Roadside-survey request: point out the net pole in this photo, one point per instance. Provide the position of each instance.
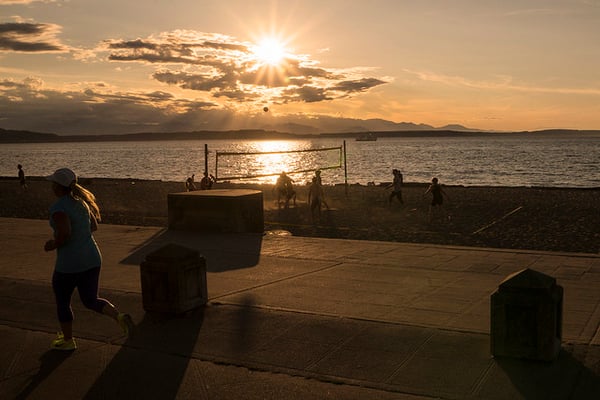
(345, 170)
(217, 165)
(206, 157)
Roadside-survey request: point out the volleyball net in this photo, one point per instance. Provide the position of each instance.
(263, 164)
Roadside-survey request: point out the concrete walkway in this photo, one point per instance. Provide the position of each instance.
(292, 318)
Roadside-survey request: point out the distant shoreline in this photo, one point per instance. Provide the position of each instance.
(15, 136)
(378, 185)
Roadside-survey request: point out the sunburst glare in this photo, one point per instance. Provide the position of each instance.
(272, 61)
(270, 51)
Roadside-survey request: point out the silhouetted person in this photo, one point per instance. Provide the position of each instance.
(315, 198)
(22, 181)
(285, 189)
(320, 183)
(437, 200)
(397, 187)
(189, 184)
(207, 181)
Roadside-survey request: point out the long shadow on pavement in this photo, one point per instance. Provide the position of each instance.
(153, 362)
(564, 378)
(49, 361)
(222, 251)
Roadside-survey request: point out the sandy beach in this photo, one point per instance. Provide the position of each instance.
(548, 219)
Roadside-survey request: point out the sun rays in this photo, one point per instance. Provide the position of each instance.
(273, 62)
(270, 51)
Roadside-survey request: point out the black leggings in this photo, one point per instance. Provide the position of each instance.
(86, 283)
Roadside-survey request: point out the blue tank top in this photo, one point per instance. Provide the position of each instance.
(80, 252)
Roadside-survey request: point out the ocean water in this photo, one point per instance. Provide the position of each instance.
(515, 160)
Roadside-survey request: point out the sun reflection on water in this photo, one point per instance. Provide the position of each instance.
(277, 162)
(264, 161)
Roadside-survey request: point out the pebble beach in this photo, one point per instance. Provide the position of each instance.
(546, 219)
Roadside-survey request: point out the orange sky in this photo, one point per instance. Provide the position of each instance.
(105, 66)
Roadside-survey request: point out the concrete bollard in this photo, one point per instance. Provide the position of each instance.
(173, 280)
(526, 317)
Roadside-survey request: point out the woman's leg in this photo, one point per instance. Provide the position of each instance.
(63, 286)
(87, 286)
(88, 292)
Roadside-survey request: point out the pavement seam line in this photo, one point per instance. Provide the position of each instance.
(478, 384)
(335, 349)
(14, 362)
(196, 371)
(275, 281)
(304, 373)
(595, 331)
(409, 358)
(354, 318)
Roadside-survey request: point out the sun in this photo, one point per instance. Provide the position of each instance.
(270, 51)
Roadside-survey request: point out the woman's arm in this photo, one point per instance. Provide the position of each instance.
(93, 223)
(62, 231)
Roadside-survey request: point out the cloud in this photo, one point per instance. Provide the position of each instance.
(225, 67)
(30, 37)
(11, 2)
(359, 85)
(95, 109)
(220, 76)
(502, 83)
(307, 94)
(537, 12)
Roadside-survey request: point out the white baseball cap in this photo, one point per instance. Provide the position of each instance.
(63, 176)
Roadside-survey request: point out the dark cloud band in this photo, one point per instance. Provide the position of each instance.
(29, 37)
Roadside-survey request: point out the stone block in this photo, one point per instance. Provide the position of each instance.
(526, 317)
(221, 210)
(173, 280)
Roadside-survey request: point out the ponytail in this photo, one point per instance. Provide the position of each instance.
(89, 199)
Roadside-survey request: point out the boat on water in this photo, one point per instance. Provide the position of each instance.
(366, 137)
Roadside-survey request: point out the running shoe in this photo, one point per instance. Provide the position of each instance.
(60, 343)
(126, 323)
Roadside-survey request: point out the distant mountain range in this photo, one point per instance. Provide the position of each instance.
(294, 124)
(344, 125)
(409, 130)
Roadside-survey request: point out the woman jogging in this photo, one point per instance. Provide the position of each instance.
(73, 217)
